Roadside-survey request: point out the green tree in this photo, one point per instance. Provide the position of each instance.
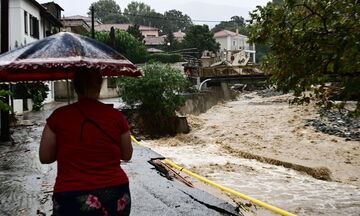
(152, 19)
(106, 11)
(134, 31)
(311, 42)
(240, 21)
(236, 23)
(176, 21)
(136, 11)
(156, 93)
(115, 19)
(200, 37)
(278, 2)
(126, 44)
(171, 43)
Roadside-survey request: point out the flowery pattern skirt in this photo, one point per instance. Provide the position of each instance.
(110, 201)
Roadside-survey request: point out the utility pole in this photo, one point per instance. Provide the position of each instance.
(92, 23)
(5, 117)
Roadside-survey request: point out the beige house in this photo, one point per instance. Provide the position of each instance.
(231, 42)
(77, 24)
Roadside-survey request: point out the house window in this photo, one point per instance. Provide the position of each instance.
(26, 22)
(34, 27)
(234, 42)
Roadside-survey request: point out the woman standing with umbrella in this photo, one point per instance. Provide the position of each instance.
(88, 139)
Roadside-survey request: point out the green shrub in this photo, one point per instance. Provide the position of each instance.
(158, 92)
(38, 92)
(164, 58)
(4, 106)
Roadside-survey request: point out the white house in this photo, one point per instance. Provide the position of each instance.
(234, 42)
(30, 21)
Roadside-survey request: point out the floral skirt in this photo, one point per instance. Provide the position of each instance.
(108, 201)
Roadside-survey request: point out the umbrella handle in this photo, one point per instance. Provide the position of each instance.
(67, 87)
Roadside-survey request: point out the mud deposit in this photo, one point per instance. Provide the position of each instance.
(265, 148)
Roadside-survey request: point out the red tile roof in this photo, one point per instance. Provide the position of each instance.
(225, 33)
(107, 27)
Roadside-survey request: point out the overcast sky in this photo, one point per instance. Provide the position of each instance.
(209, 10)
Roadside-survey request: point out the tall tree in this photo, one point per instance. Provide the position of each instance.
(310, 42)
(171, 43)
(105, 10)
(236, 23)
(240, 21)
(176, 21)
(200, 37)
(136, 10)
(115, 18)
(278, 2)
(152, 19)
(134, 31)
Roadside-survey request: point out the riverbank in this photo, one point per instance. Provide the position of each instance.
(264, 147)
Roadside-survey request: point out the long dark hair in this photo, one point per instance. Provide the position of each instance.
(87, 82)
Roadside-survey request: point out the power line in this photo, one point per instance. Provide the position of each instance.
(174, 19)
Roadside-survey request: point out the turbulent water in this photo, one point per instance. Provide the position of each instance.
(272, 129)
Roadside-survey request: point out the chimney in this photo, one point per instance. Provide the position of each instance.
(237, 31)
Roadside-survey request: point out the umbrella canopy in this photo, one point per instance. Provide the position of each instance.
(58, 56)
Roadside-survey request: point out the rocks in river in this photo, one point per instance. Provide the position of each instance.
(268, 92)
(338, 123)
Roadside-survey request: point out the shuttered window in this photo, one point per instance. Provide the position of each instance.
(26, 22)
(34, 27)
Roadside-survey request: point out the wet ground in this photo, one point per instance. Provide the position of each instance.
(25, 184)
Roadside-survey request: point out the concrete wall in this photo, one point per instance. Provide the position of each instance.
(60, 93)
(107, 92)
(223, 42)
(200, 102)
(150, 33)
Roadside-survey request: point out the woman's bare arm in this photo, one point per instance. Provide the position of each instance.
(126, 146)
(47, 151)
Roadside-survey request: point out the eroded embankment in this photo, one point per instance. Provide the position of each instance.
(322, 173)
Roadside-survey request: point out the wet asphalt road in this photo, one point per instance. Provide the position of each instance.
(24, 182)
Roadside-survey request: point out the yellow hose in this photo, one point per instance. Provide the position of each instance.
(243, 196)
(137, 142)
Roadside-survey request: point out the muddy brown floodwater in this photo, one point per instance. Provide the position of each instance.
(262, 147)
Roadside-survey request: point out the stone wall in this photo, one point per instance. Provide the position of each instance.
(200, 102)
